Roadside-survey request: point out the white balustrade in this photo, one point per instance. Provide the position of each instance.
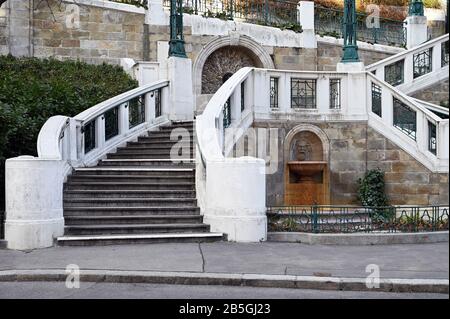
(34, 186)
(438, 69)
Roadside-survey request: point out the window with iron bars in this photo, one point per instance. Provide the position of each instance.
(335, 94)
(88, 131)
(393, 73)
(444, 53)
(432, 138)
(303, 94)
(274, 93)
(111, 123)
(376, 99)
(422, 62)
(405, 118)
(136, 111)
(158, 105)
(242, 96)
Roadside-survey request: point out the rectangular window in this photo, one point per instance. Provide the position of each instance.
(405, 119)
(444, 53)
(432, 138)
(242, 96)
(376, 99)
(274, 93)
(393, 73)
(111, 123)
(136, 111)
(422, 62)
(335, 94)
(89, 136)
(303, 94)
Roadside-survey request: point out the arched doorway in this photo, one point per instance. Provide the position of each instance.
(306, 167)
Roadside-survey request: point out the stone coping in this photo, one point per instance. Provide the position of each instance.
(231, 279)
(359, 238)
(108, 5)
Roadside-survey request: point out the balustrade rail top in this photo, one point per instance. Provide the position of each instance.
(435, 107)
(401, 55)
(406, 99)
(104, 106)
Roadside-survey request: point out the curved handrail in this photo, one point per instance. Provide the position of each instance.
(48, 142)
(401, 55)
(104, 106)
(208, 123)
(54, 133)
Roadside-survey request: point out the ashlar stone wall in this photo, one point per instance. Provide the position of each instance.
(89, 33)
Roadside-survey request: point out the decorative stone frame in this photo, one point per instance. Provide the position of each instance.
(309, 128)
(234, 39)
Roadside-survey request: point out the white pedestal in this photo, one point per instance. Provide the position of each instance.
(155, 14)
(236, 198)
(181, 98)
(416, 31)
(306, 20)
(350, 67)
(34, 207)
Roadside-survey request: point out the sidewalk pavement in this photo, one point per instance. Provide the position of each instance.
(421, 261)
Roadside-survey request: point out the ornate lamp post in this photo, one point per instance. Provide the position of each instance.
(416, 8)
(176, 43)
(350, 47)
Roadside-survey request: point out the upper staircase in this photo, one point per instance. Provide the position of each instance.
(137, 195)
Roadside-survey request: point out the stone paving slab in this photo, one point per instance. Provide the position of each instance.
(421, 261)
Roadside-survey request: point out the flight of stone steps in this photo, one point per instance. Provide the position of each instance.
(136, 195)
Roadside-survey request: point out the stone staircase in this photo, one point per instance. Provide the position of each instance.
(136, 195)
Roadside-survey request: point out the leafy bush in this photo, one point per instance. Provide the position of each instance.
(32, 90)
(371, 189)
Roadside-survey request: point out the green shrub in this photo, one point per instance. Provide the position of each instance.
(371, 189)
(32, 90)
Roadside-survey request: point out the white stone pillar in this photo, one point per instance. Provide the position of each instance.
(306, 20)
(181, 98)
(20, 24)
(155, 14)
(34, 202)
(416, 31)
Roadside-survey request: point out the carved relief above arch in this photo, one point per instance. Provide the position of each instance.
(247, 51)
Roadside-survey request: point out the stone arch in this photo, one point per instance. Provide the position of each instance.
(307, 128)
(246, 43)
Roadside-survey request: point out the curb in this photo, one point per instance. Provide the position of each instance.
(247, 280)
(359, 238)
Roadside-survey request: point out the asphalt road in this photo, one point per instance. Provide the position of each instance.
(51, 290)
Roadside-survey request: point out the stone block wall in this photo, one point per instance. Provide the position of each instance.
(100, 35)
(298, 59)
(437, 93)
(328, 55)
(356, 148)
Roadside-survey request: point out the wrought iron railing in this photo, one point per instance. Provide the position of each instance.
(348, 219)
(279, 13)
(328, 22)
